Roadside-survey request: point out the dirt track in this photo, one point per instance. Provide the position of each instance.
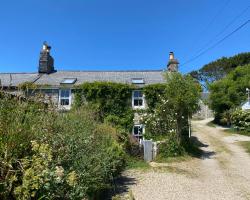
(223, 172)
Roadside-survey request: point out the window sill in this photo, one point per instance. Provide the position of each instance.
(60, 107)
(138, 107)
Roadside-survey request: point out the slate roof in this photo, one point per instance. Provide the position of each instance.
(14, 79)
(54, 79)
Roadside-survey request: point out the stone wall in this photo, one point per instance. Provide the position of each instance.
(204, 112)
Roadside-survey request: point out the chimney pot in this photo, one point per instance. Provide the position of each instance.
(171, 55)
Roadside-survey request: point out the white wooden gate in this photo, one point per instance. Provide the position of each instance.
(150, 150)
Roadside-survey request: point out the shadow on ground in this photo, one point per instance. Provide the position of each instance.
(121, 186)
(197, 149)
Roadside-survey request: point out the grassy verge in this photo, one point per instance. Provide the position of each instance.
(246, 145)
(161, 159)
(234, 131)
(136, 163)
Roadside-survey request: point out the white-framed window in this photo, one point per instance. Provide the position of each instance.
(138, 131)
(65, 98)
(138, 100)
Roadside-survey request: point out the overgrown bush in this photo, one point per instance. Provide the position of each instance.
(171, 147)
(72, 156)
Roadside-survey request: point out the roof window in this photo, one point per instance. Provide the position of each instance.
(68, 81)
(138, 81)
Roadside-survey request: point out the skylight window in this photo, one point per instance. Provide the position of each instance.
(138, 81)
(68, 81)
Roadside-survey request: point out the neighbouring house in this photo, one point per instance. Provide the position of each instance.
(246, 105)
(59, 85)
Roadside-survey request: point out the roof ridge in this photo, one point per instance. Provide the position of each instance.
(19, 73)
(156, 70)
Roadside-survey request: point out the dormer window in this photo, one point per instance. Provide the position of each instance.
(138, 99)
(68, 81)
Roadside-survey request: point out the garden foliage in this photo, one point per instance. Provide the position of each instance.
(50, 155)
(168, 120)
(241, 120)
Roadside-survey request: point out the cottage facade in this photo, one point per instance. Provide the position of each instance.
(59, 85)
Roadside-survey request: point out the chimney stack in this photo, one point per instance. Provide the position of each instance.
(46, 61)
(172, 63)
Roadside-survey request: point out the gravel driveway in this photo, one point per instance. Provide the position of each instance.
(223, 172)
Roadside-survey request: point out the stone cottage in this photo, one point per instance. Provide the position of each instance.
(60, 84)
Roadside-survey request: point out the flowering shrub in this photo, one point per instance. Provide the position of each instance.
(170, 114)
(160, 121)
(241, 120)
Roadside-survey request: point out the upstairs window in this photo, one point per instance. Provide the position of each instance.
(137, 99)
(65, 98)
(138, 131)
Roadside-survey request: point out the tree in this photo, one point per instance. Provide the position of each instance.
(220, 68)
(229, 92)
(183, 92)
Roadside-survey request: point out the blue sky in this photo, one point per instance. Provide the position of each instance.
(119, 35)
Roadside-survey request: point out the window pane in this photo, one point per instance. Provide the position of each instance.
(137, 93)
(64, 102)
(140, 102)
(136, 130)
(65, 93)
(140, 130)
(136, 102)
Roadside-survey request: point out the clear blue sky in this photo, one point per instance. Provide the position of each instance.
(118, 35)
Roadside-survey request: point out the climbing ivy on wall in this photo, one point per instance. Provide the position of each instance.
(112, 101)
(152, 94)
